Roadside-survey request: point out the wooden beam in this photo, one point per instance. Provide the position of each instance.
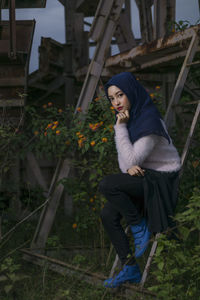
(190, 135)
(172, 45)
(182, 77)
(33, 165)
(164, 16)
(12, 28)
(12, 102)
(146, 25)
(49, 212)
(66, 268)
(124, 36)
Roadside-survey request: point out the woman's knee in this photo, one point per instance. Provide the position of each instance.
(109, 215)
(106, 184)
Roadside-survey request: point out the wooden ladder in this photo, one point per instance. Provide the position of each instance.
(102, 30)
(187, 63)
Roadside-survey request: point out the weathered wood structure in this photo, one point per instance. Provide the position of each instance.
(15, 47)
(155, 57)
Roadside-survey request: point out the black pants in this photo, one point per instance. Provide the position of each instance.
(125, 195)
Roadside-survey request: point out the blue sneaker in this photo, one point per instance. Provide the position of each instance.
(141, 237)
(130, 274)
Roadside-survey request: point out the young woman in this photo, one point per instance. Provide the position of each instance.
(145, 193)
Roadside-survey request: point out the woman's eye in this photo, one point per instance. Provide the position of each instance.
(120, 95)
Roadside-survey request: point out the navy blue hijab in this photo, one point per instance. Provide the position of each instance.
(144, 116)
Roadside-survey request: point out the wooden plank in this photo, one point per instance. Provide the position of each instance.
(99, 57)
(100, 19)
(160, 48)
(83, 274)
(146, 26)
(12, 81)
(4, 47)
(190, 135)
(52, 87)
(123, 33)
(49, 211)
(182, 78)
(149, 260)
(12, 103)
(12, 29)
(33, 165)
(164, 14)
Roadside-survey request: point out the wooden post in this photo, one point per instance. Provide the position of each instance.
(124, 36)
(146, 25)
(164, 16)
(12, 25)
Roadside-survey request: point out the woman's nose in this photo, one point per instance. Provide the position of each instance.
(116, 102)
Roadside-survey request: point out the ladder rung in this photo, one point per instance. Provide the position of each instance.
(193, 63)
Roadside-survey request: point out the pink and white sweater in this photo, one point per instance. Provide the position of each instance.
(152, 151)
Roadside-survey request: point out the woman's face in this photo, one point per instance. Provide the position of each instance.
(118, 99)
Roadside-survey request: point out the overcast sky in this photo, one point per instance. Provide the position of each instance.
(50, 21)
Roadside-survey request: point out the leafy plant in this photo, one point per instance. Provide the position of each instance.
(9, 275)
(178, 259)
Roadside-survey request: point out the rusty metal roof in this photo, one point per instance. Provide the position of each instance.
(24, 4)
(157, 53)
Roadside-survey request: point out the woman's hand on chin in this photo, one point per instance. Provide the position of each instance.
(135, 171)
(122, 117)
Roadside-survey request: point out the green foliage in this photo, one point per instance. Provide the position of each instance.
(177, 259)
(9, 275)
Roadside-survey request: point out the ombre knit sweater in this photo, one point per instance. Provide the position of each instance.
(152, 151)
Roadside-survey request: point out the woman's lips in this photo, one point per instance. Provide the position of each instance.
(120, 108)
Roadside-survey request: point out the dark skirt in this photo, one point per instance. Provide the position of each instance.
(160, 199)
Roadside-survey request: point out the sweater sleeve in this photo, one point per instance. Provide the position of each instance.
(136, 153)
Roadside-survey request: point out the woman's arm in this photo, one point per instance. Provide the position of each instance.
(133, 154)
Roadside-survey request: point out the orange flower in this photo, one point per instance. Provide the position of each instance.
(50, 104)
(94, 127)
(36, 132)
(74, 226)
(78, 133)
(157, 87)
(111, 107)
(45, 133)
(56, 122)
(97, 99)
(91, 200)
(104, 140)
(92, 143)
(49, 125)
(79, 109)
(151, 95)
(60, 110)
(80, 142)
(195, 164)
(81, 136)
(57, 132)
(44, 106)
(67, 143)
(110, 128)
(54, 127)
